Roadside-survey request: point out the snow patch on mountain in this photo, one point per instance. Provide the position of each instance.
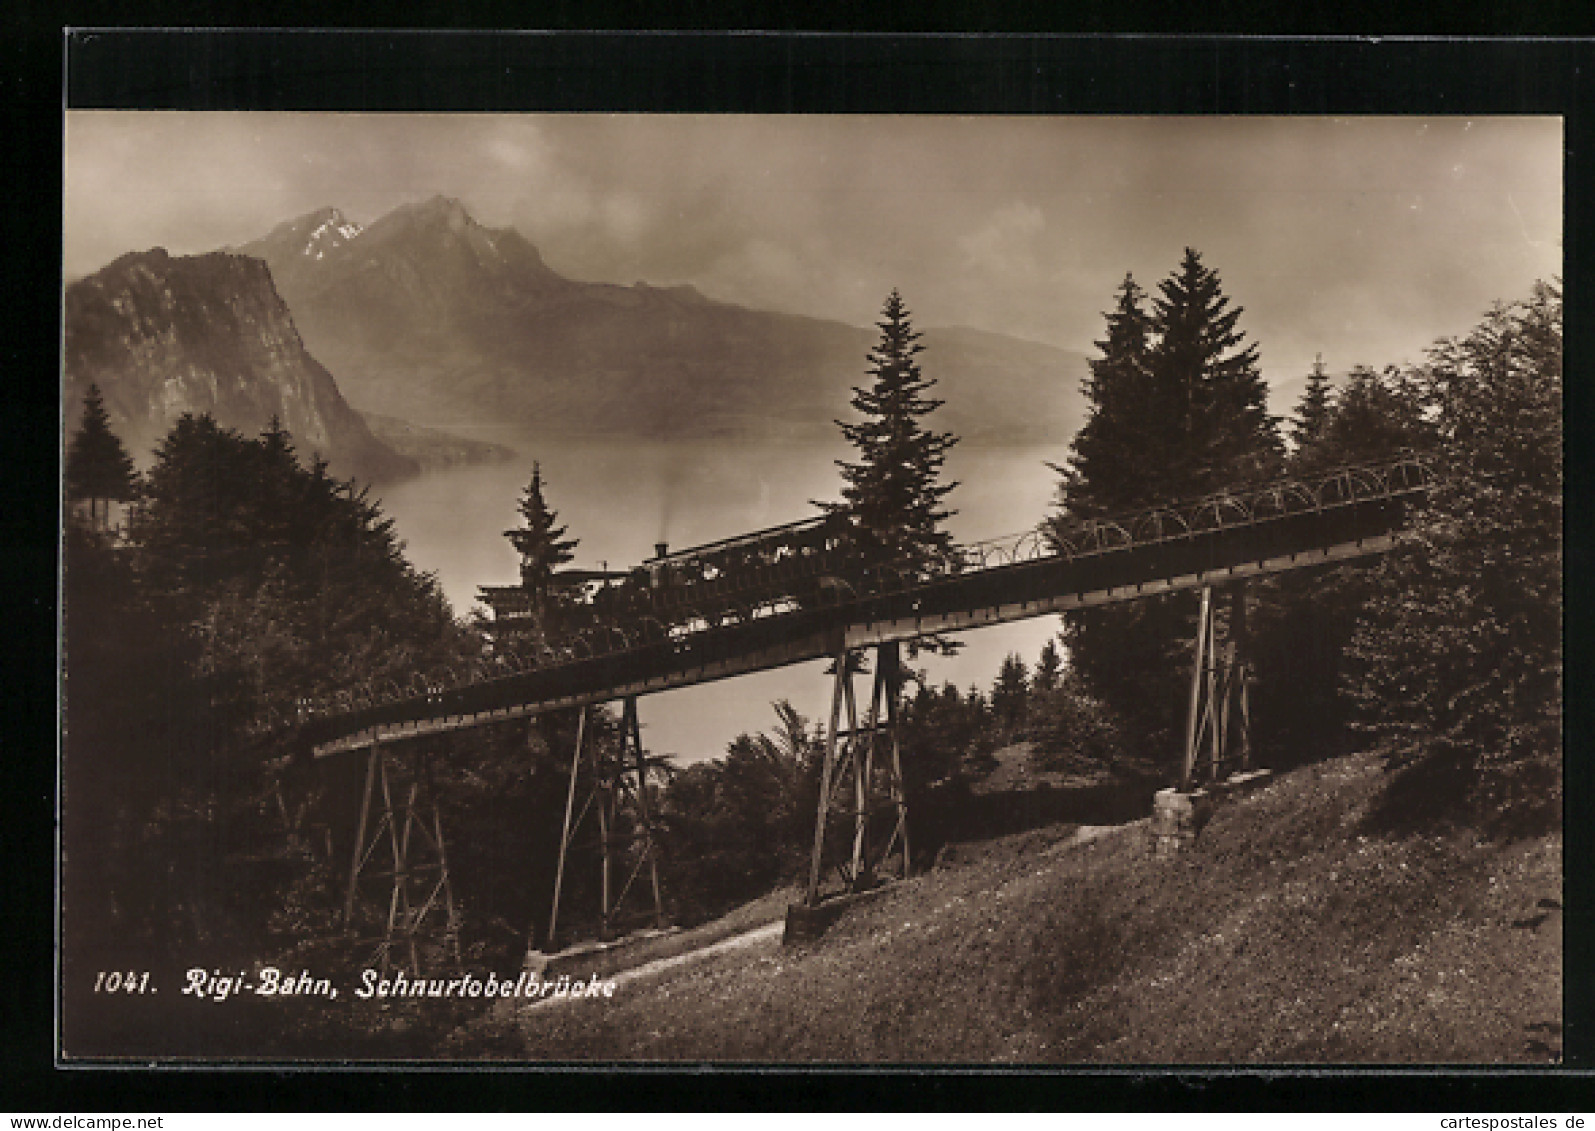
(333, 231)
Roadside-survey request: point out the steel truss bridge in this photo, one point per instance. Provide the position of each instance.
(1220, 539)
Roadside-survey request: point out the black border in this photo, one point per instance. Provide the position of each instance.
(823, 73)
(750, 72)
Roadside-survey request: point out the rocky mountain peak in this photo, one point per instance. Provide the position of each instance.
(448, 210)
(312, 235)
(437, 217)
(409, 280)
(162, 335)
(441, 228)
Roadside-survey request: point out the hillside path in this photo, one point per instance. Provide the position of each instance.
(770, 930)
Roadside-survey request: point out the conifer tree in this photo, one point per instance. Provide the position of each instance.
(892, 494)
(1178, 407)
(543, 546)
(1378, 414)
(1010, 693)
(189, 530)
(1312, 411)
(98, 468)
(1303, 620)
(1208, 385)
(276, 441)
(1108, 470)
(1049, 668)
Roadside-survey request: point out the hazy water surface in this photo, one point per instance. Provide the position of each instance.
(619, 497)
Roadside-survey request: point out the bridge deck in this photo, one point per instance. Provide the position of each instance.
(1338, 530)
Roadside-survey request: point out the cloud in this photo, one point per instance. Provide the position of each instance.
(625, 218)
(510, 154)
(1006, 243)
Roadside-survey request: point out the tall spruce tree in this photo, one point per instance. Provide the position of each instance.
(543, 546)
(1108, 470)
(98, 468)
(1209, 387)
(1178, 407)
(892, 495)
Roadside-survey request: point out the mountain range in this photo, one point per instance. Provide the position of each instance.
(430, 316)
(364, 342)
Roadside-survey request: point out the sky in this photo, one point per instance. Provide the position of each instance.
(1360, 239)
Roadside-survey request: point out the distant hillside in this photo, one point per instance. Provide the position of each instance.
(163, 335)
(429, 316)
(430, 448)
(1298, 928)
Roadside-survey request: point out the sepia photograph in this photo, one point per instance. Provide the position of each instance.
(794, 589)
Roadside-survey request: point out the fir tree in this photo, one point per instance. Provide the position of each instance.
(98, 468)
(892, 494)
(1177, 408)
(1312, 411)
(1010, 693)
(1177, 403)
(1108, 470)
(1377, 415)
(276, 441)
(543, 546)
(1208, 385)
(1049, 668)
(198, 525)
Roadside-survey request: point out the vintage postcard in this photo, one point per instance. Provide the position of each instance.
(1044, 589)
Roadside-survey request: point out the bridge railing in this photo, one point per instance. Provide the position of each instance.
(1072, 538)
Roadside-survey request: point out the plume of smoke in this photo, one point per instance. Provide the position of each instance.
(672, 485)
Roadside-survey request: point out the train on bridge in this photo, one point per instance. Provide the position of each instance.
(827, 560)
(752, 591)
(763, 573)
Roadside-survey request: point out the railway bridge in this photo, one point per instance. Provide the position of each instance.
(796, 602)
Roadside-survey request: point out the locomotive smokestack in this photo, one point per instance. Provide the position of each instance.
(661, 549)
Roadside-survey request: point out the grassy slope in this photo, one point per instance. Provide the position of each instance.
(1291, 932)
